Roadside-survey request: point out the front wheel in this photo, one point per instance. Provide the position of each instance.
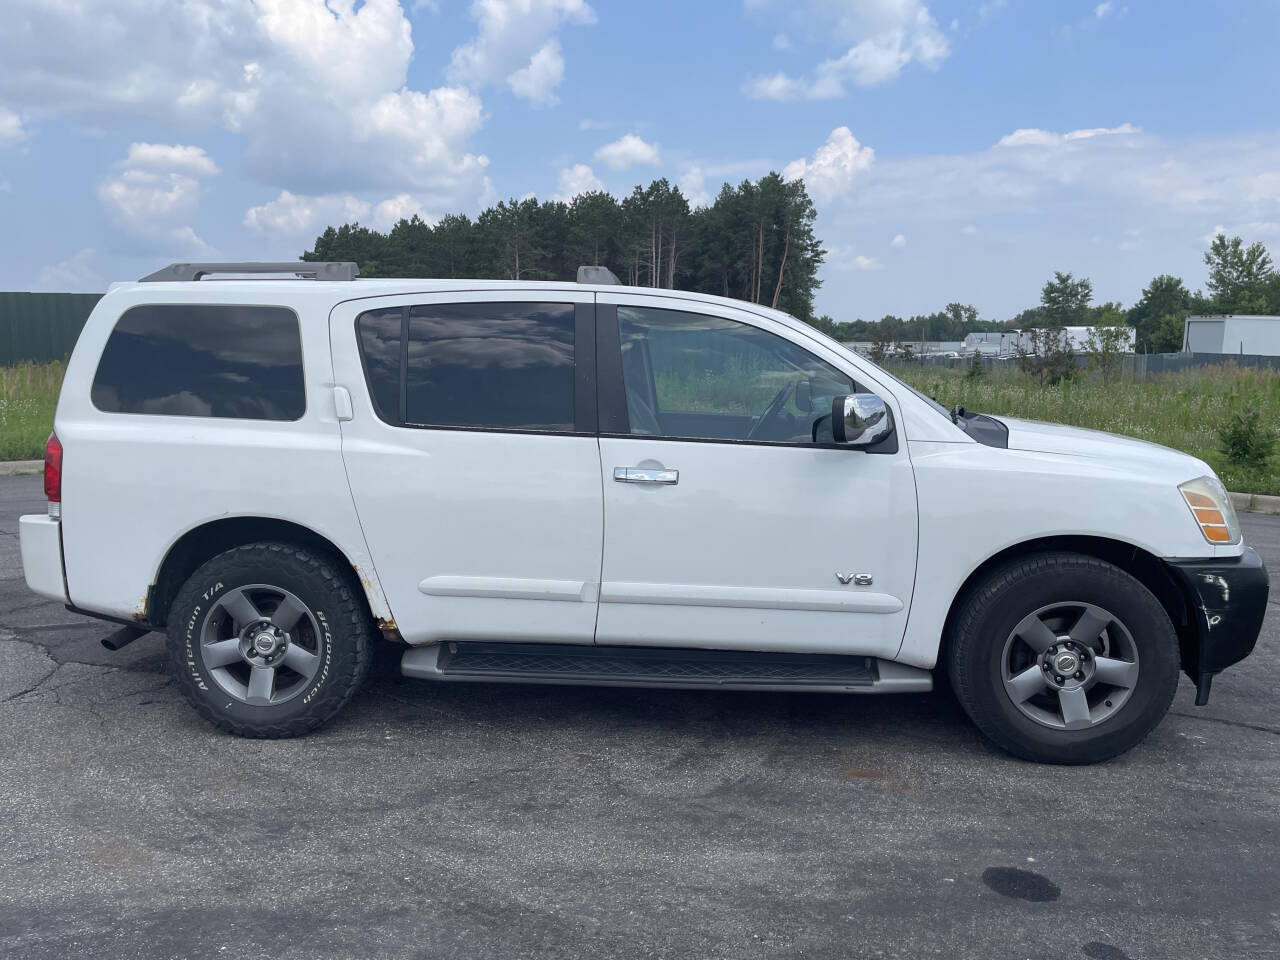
(269, 640)
(1063, 658)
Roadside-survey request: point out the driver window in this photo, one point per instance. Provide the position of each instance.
(700, 377)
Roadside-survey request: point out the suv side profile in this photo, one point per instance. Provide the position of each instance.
(590, 483)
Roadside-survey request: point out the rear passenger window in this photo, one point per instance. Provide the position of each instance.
(203, 360)
(498, 366)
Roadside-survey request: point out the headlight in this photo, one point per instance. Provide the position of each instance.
(1207, 498)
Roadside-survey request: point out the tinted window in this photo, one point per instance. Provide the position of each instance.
(481, 365)
(193, 360)
(691, 375)
(380, 348)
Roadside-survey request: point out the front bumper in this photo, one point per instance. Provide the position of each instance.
(1228, 598)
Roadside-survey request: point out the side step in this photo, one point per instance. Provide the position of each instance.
(661, 667)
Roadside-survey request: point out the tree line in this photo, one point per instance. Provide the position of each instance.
(755, 242)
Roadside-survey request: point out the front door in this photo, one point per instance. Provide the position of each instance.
(726, 525)
(472, 457)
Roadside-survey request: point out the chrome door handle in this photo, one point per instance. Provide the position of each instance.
(645, 475)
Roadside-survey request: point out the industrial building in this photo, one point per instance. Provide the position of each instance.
(1237, 334)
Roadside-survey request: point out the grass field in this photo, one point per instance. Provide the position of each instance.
(28, 396)
(1180, 410)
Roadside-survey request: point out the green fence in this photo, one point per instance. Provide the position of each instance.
(41, 326)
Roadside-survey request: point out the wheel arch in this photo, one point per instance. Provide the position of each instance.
(205, 541)
(1142, 565)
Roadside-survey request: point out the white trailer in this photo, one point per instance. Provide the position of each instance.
(1232, 334)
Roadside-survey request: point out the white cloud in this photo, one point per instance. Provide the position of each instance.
(830, 172)
(969, 230)
(403, 206)
(885, 36)
(304, 216)
(693, 184)
(1033, 137)
(845, 260)
(317, 92)
(1174, 190)
(991, 8)
(898, 242)
(577, 179)
(76, 274)
(537, 81)
(515, 44)
(781, 41)
(11, 130)
(155, 194)
(171, 158)
(628, 151)
(1102, 10)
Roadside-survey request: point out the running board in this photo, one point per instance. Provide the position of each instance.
(661, 667)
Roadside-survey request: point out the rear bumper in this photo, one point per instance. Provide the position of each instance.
(40, 539)
(1229, 601)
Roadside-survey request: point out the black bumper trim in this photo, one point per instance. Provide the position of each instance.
(1228, 600)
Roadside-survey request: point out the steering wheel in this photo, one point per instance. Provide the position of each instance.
(774, 408)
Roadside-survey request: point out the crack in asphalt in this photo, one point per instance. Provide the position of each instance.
(1230, 723)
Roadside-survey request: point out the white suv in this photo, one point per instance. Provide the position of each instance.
(590, 483)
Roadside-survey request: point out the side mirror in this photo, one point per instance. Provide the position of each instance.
(804, 396)
(860, 419)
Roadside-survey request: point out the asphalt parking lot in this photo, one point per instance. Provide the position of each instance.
(504, 821)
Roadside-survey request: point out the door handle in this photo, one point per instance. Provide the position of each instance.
(645, 475)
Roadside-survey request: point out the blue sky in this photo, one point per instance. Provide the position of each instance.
(956, 150)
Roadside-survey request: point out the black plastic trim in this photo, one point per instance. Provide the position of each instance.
(1228, 604)
(987, 430)
(585, 401)
(612, 393)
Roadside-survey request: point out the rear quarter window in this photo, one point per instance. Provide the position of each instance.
(203, 360)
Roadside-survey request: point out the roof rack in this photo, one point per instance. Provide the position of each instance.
(299, 268)
(598, 275)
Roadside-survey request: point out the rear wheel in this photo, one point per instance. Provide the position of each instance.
(269, 640)
(1063, 658)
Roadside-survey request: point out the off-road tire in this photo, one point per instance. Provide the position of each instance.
(993, 608)
(345, 641)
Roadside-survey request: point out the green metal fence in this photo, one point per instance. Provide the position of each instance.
(41, 326)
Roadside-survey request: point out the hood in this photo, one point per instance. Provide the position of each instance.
(1057, 438)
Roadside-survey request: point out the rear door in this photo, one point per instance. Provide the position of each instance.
(472, 456)
(726, 525)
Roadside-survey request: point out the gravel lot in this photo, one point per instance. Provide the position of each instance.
(505, 821)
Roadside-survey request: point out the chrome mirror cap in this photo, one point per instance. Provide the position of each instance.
(860, 419)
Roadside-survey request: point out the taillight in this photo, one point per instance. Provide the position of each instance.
(53, 469)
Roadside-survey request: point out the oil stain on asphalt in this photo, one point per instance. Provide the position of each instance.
(1021, 884)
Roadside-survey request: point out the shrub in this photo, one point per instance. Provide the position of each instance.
(1245, 439)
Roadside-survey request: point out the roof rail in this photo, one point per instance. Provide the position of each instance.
(598, 275)
(300, 268)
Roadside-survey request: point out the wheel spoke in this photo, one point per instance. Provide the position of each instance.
(1035, 634)
(241, 608)
(262, 683)
(1090, 626)
(301, 660)
(1118, 673)
(220, 653)
(1026, 684)
(1075, 708)
(288, 613)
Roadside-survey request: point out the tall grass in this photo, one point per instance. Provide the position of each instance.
(28, 396)
(1185, 410)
